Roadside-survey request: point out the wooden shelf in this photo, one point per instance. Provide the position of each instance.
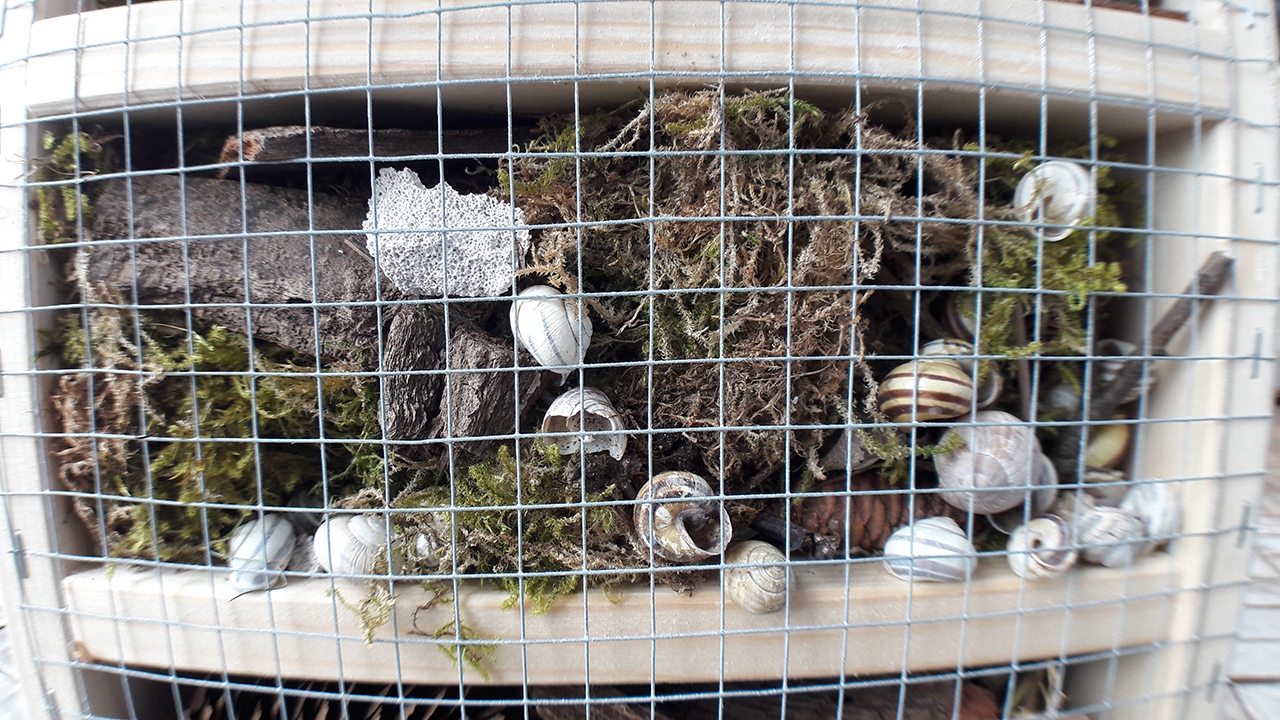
(165, 52)
(192, 620)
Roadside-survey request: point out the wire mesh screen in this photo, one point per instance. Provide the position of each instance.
(615, 359)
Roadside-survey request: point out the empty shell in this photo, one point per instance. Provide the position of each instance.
(676, 516)
(1043, 548)
(587, 410)
(1109, 536)
(551, 329)
(933, 549)
(995, 467)
(1056, 193)
(1158, 506)
(356, 545)
(926, 389)
(761, 589)
(1042, 499)
(259, 551)
(963, 352)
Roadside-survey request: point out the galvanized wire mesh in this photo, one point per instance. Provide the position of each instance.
(133, 614)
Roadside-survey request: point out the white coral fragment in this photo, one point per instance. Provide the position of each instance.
(405, 237)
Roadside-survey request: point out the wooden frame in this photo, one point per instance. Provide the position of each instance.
(1187, 82)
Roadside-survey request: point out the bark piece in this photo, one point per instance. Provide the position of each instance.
(481, 398)
(209, 258)
(932, 701)
(289, 142)
(414, 342)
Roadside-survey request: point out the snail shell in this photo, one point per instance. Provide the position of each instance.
(1042, 499)
(303, 558)
(1158, 506)
(1110, 361)
(1107, 444)
(588, 410)
(963, 352)
(353, 545)
(761, 589)
(1042, 549)
(677, 517)
(995, 467)
(548, 327)
(1109, 536)
(431, 546)
(259, 552)
(935, 388)
(934, 549)
(961, 314)
(1056, 193)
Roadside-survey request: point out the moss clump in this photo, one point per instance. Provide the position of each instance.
(159, 415)
(65, 203)
(498, 505)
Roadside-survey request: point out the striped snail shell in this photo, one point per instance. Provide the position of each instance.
(259, 551)
(1043, 548)
(926, 389)
(587, 410)
(354, 545)
(1056, 193)
(997, 464)
(1158, 506)
(1109, 536)
(548, 327)
(677, 517)
(761, 589)
(964, 353)
(933, 549)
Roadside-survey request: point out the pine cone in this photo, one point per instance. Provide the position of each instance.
(872, 517)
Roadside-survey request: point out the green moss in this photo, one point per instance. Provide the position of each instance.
(890, 445)
(66, 206)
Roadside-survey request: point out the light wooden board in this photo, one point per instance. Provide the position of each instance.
(400, 48)
(191, 620)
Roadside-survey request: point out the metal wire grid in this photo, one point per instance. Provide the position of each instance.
(246, 100)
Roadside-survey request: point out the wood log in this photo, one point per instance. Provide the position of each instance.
(290, 142)
(186, 243)
(482, 399)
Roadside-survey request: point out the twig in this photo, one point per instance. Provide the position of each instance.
(1213, 275)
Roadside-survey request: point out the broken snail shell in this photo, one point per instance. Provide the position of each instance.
(926, 389)
(1158, 506)
(259, 551)
(933, 549)
(554, 331)
(995, 467)
(356, 545)
(677, 517)
(963, 352)
(587, 410)
(1110, 536)
(760, 589)
(1042, 548)
(1056, 193)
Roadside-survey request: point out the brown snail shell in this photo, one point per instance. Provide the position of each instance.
(761, 589)
(996, 466)
(677, 517)
(926, 389)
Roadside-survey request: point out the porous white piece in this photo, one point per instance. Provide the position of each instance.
(479, 261)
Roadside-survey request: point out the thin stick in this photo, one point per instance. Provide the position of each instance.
(1213, 275)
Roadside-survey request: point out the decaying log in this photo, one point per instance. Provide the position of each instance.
(481, 400)
(290, 142)
(211, 255)
(414, 342)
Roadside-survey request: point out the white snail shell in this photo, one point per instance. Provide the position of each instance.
(1159, 507)
(935, 388)
(964, 353)
(962, 315)
(590, 411)
(1104, 486)
(303, 558)
(258, 553)
(1109, 536)
(1042, 548)
(353, 545)
(995, 467)
(432, 544)
(548, 327)
(760, 589)
(1042, 499)
(1056, 193)
(933, 549)
(677, 517)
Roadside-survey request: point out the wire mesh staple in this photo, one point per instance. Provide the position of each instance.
(633, 359)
